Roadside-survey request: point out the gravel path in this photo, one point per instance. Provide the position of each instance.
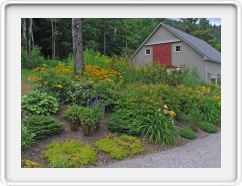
(200, 153)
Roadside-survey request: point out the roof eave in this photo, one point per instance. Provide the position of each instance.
(212, 60)
(145, 41)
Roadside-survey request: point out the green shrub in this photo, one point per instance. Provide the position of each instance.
(27, 138)
(208, 127)
(56, 83)
(108, 93)
(210, 110)
(43, 126)
(29, 164)
(32, 59)
(90, 118)
(120, 146)
(123, 121)
(87, 117)
(186, 132)
(158, 128)
(80, 92)
(151, 74)
(194, 117)
(70, 154)
(181, 99)
(38, 103)
(73, 112)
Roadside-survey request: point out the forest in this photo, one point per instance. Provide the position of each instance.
(109, 36)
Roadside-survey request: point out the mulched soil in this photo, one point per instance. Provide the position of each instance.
(35, 151)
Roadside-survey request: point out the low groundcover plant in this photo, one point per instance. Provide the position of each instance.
(70, 154)
(120, 146)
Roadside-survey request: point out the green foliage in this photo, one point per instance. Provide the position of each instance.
(140, 111)
(27, 137)
(70, 154)
(191, 77)
(120, 146)
(208, 127)
(123, 121)
(90, 116)
(181, 99)
(56, 84)
(108, 93)
(29, 164)
(38, 103)
(80, 92)
(193, 117)
(210, 110)
(153, 73)
(72, 112)
(134, 102)
(158, 128)
(123, 35)
(43, 126)
(187, 132)
(32, 59)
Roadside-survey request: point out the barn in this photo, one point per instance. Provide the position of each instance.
(172, 47)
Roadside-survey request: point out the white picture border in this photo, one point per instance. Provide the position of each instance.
(34, 179)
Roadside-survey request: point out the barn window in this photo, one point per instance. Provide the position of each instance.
(147, 51)
(178, 48)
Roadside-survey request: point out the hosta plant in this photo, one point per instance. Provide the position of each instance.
(39, 103)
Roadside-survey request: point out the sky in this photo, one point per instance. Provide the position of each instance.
(216, 21)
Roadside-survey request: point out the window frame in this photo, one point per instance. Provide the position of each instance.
(147, 48)
(178, 45)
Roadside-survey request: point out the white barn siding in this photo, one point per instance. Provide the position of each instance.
(188, 57)
(141, 59)
(162, 35)
(213, 68)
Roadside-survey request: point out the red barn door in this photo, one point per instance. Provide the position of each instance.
(162, 54)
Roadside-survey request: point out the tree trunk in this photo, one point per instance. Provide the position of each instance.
(79, 65)
(30, 36)
(104, 42)
(126, 41)
(24, 28)
(53, 30)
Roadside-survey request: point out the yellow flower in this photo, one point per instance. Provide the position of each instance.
(172, 113)
(58, 86)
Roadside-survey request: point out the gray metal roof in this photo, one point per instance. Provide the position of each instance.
(208, 52)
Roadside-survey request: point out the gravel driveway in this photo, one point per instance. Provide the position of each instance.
(200, 153)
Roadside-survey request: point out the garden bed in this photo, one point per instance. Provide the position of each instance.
(114, 111)
(35, 151)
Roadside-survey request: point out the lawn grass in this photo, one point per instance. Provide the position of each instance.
(26, 86)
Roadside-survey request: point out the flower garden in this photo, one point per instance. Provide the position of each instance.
(114, 111)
